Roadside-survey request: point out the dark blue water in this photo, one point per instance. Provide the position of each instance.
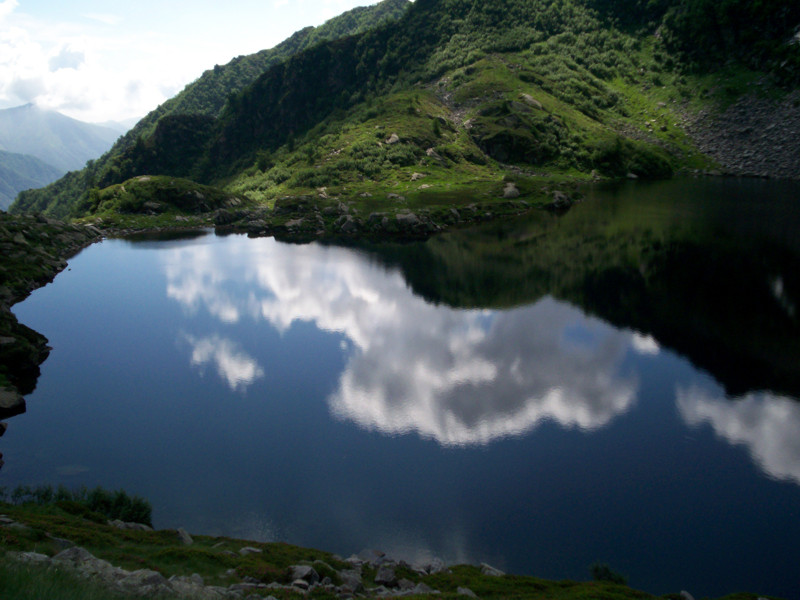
(331, 397)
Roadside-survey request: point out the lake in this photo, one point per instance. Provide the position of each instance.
(617, 384)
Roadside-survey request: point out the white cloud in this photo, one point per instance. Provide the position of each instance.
(767, 425)
(88, 73)
(67, 59)
(107, 19)
(457, 376)
(7, 7)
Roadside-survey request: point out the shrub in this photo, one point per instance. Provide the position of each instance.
(602, 572)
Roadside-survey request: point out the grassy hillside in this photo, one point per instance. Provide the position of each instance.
(459, 92)
(203, 99)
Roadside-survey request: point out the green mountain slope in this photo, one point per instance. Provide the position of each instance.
(459, 92)
(204, 100)
(54, 138)
(22, 172)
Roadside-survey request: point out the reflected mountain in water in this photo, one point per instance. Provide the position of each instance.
(708, 269)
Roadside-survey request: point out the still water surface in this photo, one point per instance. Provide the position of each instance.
(619, 384)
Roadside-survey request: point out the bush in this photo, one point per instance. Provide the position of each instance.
(602, 572)
(88, 504)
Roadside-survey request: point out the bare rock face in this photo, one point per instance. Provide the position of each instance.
(755, 136)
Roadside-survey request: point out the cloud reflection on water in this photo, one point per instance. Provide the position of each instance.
(235, 367)
(460, 377)
(767, 425)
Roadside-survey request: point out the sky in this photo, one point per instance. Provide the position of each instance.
(107, 60)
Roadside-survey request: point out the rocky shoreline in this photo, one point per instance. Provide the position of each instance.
(754, 137)
(305, 578)
(34, 249)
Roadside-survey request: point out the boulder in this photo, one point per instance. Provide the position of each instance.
(431, 153)
(462, 591)
(305, 573)
(561, 202)
(491, 571)
(531, 101)
(417, 176)
(510, 191)
(29, 557)
(145, 581)
(184, 537)
(407, 220)
(386, 577)
(249, 550)
(301, 584)
(351, 581)
(373, 557)
(393, 139)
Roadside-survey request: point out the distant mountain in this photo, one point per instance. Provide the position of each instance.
(58, 140)
(22, 172)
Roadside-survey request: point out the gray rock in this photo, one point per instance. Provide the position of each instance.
(243, 587)
(686, 595)
(145, 581)
(249, 550)
(531, 101)
(393, 139)
(462, 591)
(510, 191)
(422, 588)
(491, 571)
(75, 556)
(417, 176)
(373, 557)
(133, 526)
(397, 197)
(407, 220)
(184, 537)
(350, 225)
(29, 557)
(405, 584)
(386, 577)
(632, 176)
(351, 579)
(300, 584)
(305, 572)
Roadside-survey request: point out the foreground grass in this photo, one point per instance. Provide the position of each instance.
(24, 582)
(44, 529)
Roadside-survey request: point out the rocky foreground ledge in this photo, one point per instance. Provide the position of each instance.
(166, 564)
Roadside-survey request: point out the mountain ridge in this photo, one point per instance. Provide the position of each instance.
(204, 98)
(568, 88)
(60, 141)
(21, 172)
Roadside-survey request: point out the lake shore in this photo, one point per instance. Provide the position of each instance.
(95, 556)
